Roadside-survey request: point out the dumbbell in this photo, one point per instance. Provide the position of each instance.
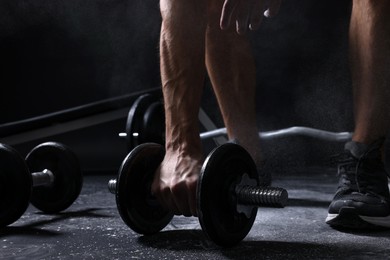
(50, 178)
(145, 123)
(227, 193)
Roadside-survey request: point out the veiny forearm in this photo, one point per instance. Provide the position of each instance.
(182, 74)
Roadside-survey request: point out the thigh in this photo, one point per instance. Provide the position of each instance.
(192, 10)
(214, 9)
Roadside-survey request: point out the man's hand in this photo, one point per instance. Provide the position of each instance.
(247, 13)
(175, 183)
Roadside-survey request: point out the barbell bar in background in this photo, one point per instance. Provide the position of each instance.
(285, 132)
(145, 123)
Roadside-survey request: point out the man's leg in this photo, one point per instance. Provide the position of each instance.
(362, 199)
(182, 73)
(369, 38)
(231, 68)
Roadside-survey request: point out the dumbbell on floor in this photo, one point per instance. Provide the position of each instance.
(50, 178)
(227, 194)
(145, 123)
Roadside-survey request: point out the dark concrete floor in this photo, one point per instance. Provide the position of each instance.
(92, 229)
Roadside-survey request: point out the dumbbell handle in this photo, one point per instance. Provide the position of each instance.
(43, 178)
(261, 196)
(291, 131)
(247, 195)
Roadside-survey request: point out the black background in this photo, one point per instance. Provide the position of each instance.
(61, 54)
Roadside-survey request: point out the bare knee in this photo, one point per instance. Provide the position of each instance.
(183, 14)
(214, 10)
(373, 8)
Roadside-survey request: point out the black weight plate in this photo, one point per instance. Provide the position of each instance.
(136, 205)
(68, 178)
(154, 124)
(216, 200)
(135, 120)
(15, 185)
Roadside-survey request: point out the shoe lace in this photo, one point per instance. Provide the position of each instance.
(349, 169)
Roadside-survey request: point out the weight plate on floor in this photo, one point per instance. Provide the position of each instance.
(15, 185)
(216, 201)
(145, 121)
(154, 124)
(68, 178)
(136, 205)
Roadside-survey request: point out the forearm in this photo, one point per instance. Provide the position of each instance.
(182, 75)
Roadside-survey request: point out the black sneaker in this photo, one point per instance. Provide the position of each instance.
(362, 200)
